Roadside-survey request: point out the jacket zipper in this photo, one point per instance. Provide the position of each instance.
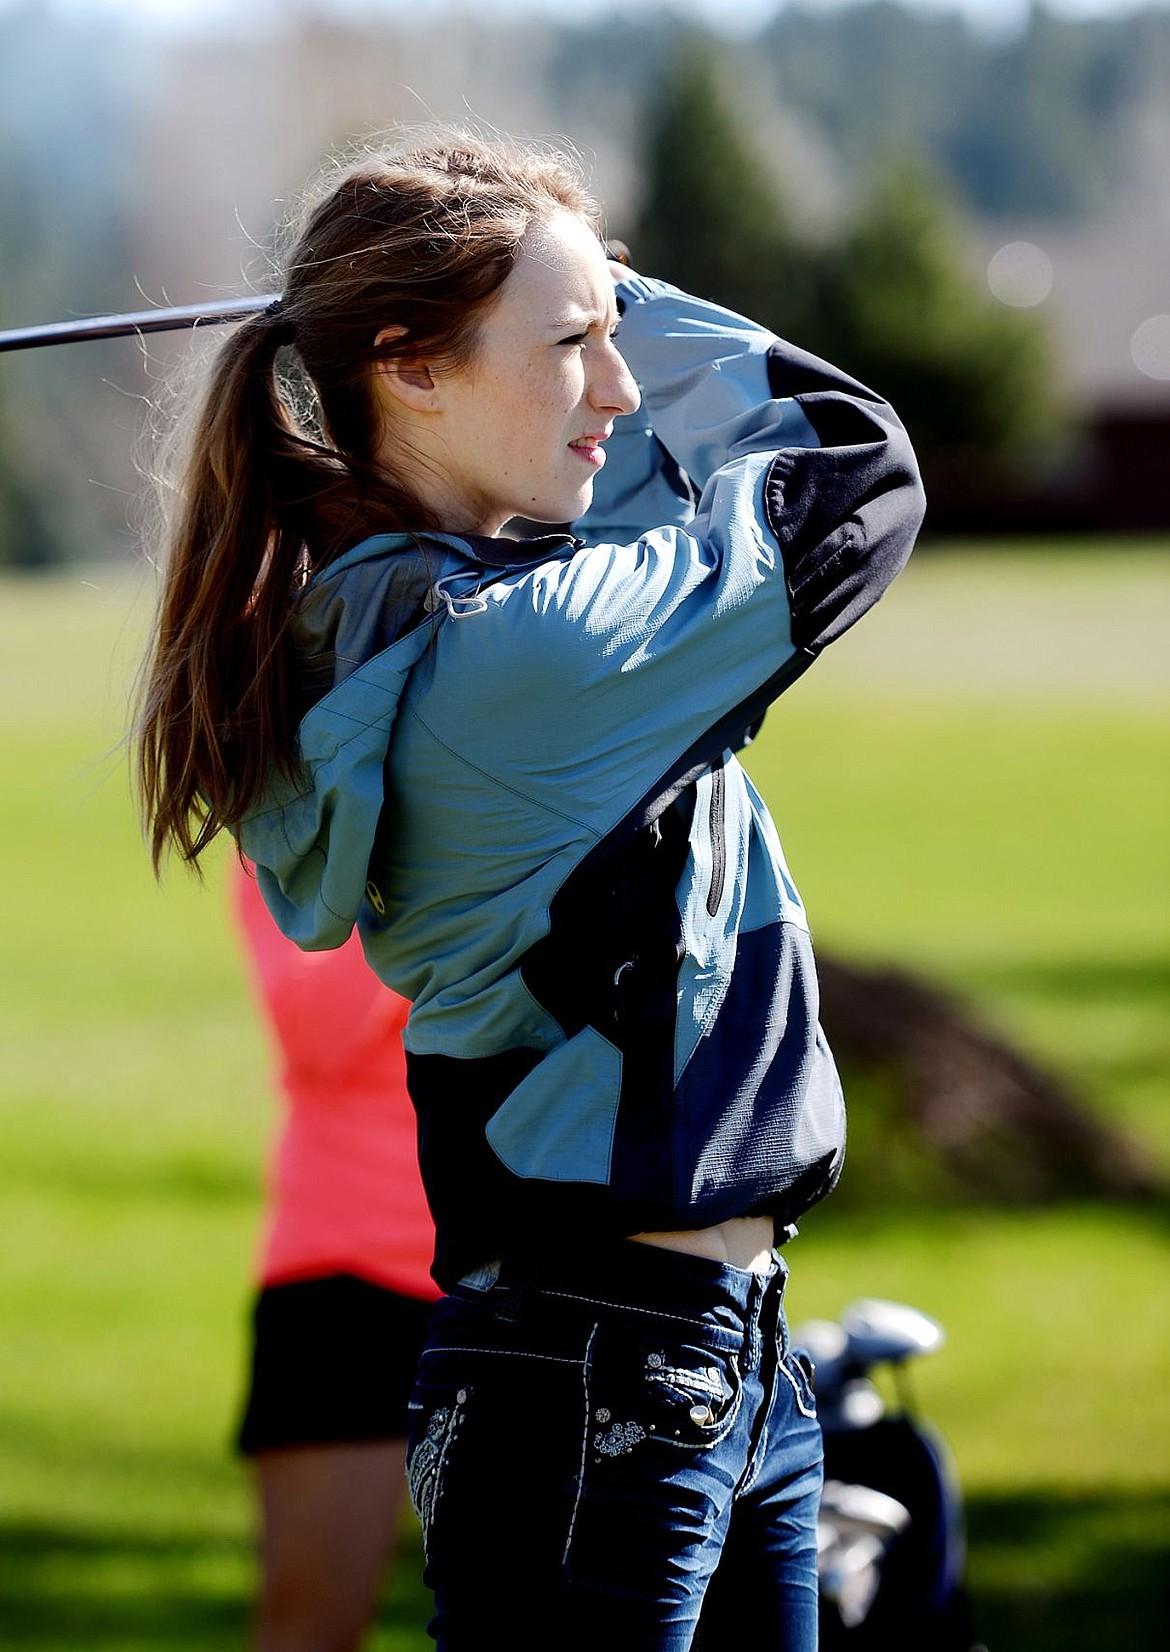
(718, 846)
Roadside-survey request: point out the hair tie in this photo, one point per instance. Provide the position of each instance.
(283, 332)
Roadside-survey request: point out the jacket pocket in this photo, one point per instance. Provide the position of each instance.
(716, 829)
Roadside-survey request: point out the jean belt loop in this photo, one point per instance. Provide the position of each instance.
(779, 1327)
(777, 1281)
(755, 1303)
(483, 1278)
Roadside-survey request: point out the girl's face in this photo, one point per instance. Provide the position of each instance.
(518, 429)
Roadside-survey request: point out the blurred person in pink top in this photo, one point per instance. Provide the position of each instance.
(344, 1288)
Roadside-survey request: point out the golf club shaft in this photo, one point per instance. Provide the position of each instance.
(143, 321)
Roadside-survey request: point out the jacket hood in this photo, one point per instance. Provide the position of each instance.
(360, 624)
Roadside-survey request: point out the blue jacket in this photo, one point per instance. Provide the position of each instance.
(518, 780)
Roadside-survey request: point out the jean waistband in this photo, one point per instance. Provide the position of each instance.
(624, 1275)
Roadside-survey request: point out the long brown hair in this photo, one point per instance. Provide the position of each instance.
(281, 473)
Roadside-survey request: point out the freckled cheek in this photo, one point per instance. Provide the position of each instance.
(549, 403)
(533, 427)
(545, 435)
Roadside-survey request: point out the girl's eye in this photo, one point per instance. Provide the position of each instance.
(583, 338)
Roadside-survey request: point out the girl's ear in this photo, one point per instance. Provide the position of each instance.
(408, 378)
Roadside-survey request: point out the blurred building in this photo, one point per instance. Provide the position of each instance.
(1105, 292)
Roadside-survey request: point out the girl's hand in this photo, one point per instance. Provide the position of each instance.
(618, 257)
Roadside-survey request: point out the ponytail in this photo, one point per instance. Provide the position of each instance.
(215, 695)
(283, 471)
(260, 505)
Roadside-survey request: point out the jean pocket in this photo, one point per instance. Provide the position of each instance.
(797, 1365)
(669, 1390)
(437, 1413)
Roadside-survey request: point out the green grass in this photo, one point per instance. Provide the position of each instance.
(975, 784)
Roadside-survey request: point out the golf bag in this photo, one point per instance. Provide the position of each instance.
(890, 1540)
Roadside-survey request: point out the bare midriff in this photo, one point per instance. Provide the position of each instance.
(741, 1242)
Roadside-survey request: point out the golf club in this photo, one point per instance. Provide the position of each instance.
(141, 321)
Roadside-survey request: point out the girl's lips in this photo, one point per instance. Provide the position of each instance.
(589, 448)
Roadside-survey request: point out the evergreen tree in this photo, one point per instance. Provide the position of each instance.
(712, 220)
(28, 538)
(28, 541)
(893, 301)
(901, 310)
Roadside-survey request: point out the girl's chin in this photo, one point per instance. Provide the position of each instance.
(559, 513)
(582, 501)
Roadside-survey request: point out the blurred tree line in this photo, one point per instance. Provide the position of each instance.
(1068, 118)
(66, 203)
(1062, 120)
(821, 187)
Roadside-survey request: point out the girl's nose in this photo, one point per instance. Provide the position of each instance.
(614, 388)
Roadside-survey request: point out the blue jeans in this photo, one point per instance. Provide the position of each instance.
(620, 1453)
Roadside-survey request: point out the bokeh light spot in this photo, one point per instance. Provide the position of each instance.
(1150, 347)
(1020, 274)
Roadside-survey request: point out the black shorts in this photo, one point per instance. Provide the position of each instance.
(332, 1359)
